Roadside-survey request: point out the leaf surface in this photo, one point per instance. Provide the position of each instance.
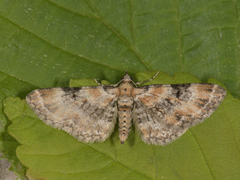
(47, 43)
(206, 151)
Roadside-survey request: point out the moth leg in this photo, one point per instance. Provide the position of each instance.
(113, 85)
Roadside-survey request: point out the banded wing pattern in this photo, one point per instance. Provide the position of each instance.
(162, 113)
(87, 113)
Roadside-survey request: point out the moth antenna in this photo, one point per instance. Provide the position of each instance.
(97, 82)
(148, 79)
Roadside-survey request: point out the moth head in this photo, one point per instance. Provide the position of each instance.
(127, 78)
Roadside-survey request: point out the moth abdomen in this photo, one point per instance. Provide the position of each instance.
(125, 106)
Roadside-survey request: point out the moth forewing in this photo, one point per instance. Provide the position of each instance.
(161, 113)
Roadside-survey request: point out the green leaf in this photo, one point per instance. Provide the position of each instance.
(11, 86)
(47, 43)
(209, 149)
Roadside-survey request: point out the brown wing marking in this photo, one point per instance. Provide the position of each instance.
(87, 113)
(162, 113)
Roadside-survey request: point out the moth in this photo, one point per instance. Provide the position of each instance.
(161, 113)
